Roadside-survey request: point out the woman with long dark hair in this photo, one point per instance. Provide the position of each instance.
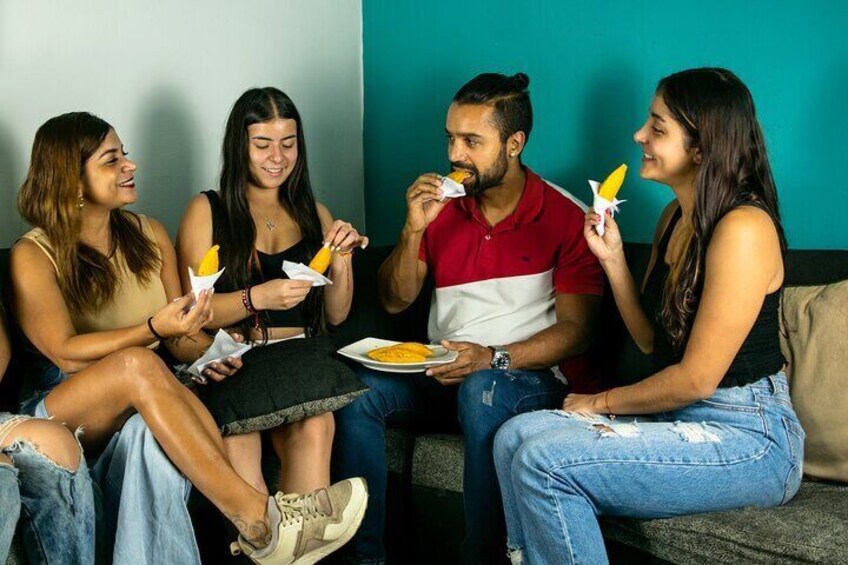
(715, 427)
(95, 288)
(265, 213)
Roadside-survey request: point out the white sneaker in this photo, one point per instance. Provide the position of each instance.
(306, 528)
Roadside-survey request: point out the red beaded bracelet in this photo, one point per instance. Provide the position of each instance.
(245, 300)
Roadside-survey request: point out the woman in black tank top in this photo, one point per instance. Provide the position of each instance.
(265, 213)
(715, 427)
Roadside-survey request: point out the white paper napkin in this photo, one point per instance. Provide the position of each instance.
(601, 205)
(452, 189)
(224, 346)
(205, 282)
(300, 272)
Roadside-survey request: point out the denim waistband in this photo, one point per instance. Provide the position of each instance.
(769, 394)
(775, 384)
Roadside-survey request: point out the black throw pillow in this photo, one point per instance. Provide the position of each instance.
(281, 383)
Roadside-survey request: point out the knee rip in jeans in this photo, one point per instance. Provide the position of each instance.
(515, 555)
(696, 433)
(612, 430)
(18, 445)
(606, 427)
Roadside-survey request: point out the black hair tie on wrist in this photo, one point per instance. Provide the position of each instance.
(153, 331)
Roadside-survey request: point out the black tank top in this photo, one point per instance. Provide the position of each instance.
(270, 267)
(759, 355)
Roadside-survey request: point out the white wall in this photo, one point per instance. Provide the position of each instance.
(165, 74)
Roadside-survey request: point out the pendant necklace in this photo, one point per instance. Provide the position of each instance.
(270, 224)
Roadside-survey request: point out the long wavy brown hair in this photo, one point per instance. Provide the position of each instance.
(717, 113)
(49, 199)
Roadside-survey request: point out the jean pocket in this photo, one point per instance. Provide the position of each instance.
(795, 450)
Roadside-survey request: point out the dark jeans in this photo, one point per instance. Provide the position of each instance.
(484, 401)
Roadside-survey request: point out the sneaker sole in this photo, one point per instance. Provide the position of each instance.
(323, 552)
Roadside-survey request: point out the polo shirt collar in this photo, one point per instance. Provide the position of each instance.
(528, 209)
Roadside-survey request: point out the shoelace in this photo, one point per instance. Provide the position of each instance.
(304, 505)
(289, 511)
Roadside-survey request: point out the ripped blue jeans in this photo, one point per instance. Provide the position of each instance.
(484, 401)
(56, 505)
(144, 519)
(560, 470)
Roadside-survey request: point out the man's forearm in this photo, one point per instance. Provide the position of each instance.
(550, 346)
(398, 276)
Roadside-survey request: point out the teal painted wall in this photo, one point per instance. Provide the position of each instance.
(593, 66)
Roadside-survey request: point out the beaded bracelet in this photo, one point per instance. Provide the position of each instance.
(153, 331)
(245, 300)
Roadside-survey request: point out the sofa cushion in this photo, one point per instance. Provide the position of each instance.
(812, 528)
(17, 555)
(438, 461)
(814, 324)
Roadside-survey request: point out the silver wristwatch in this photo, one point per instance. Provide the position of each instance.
(500, 357)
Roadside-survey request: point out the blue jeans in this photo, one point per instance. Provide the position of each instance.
(484, 401)
(559, 471)
(56, 506)
(10, 507)
(145, 516)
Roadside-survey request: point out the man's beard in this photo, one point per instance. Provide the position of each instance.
(491, 177)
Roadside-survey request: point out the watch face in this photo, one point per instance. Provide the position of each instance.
(500, 360)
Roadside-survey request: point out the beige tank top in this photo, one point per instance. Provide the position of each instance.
(134, 301)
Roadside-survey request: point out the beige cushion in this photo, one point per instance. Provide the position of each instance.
(814, 328)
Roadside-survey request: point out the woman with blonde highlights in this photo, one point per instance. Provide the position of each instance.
(95, 289)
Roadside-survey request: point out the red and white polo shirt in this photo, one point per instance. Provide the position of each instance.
(497, 284)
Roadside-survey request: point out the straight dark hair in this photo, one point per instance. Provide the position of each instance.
(49, 199)
(717, 113)
(255, 106)
(509, 97)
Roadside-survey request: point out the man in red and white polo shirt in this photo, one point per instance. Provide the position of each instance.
(516, 289)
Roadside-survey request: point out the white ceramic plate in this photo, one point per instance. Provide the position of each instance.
(358, 352)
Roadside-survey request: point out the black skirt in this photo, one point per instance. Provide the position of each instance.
(281, 383)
